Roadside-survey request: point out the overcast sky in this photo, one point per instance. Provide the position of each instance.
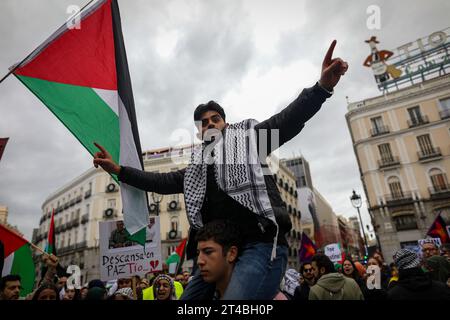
(252, 56)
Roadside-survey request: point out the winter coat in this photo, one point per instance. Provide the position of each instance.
(335, 286)
(289, 122)
(414, 284)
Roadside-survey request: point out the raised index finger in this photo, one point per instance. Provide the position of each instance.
(100, 147)
(329, 54)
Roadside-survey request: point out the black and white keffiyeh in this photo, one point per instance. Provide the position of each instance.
(238, 173)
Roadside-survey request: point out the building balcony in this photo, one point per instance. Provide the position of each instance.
(418, 121)
(87, 194)
(78, 199)
(407, 226)
(379, 131)
(439, 192)
(430, 154)
(173, 235)
(444, 114)
(85, 218)
(81, 245)
(75, 223)
(399, 199)
(389, 162)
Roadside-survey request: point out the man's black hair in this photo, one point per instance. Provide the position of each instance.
(8, 278)
(322, 261)
(210, 106)
(224, 232)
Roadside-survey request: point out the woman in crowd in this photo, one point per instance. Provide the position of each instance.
(47, 291)
(163, 288)
(349, 270)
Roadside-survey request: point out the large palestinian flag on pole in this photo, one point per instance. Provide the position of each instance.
(17, 259)
(81, 74)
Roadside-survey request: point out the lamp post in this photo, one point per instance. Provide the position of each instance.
(157, 198)
(356, 203)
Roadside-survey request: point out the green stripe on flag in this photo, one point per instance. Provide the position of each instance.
(23, 266)
(82, 111)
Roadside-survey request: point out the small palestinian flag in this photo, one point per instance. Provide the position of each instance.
(438, 230)
(17, 259)
(175, 260)
(81, 74)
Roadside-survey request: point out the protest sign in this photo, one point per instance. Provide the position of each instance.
(333, 251)
(122, 258)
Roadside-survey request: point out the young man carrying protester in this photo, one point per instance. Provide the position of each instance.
(218, 187)
(218, 247)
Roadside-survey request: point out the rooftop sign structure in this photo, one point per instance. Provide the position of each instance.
(411, 63)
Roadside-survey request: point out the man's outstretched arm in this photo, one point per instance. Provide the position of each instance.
(163, 183)
(291, 120)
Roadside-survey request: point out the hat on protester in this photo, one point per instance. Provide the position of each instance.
(406, 259)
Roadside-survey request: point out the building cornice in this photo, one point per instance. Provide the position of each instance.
(402, 95)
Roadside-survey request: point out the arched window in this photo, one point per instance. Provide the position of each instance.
(395, 187)
(438, 180)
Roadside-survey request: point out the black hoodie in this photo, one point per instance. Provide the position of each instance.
(414, 284)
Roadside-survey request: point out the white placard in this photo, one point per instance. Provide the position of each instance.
(333, 251)
(124, 262)
(436, 241)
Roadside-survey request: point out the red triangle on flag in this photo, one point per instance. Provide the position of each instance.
(74, 56)
(11, 240)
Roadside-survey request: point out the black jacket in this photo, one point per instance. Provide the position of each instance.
(414, 284)
(290, 121)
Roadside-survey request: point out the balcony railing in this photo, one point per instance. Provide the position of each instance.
(398, 199)
(429, 154)
(377, 131)
(444, 114)
(389, 162)
(81, 245)
(87, 194)
(85, 218)
(440, 191)
(406, 226)
(173, 236)
(78, 199)
(415, 122)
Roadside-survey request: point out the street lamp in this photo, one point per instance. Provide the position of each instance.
(157, 198)
(356, 202)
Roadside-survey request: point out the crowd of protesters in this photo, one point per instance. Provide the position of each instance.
(409, 277)
(154, 286)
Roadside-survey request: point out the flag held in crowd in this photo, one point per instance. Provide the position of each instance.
(175, 260)
(438, 230)
(17, 259)
(81, 75)
(307, 249)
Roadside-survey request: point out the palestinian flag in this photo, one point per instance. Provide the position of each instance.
(307, 249)
(438, 230)
(81, 75)
(17, 258)
(175, 260)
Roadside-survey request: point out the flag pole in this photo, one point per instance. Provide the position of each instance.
(32, 52)
(35, 247)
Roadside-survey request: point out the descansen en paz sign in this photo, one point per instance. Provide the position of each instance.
(120, 258)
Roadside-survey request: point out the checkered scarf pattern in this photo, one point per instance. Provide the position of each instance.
(406, 259)
(237, 170)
